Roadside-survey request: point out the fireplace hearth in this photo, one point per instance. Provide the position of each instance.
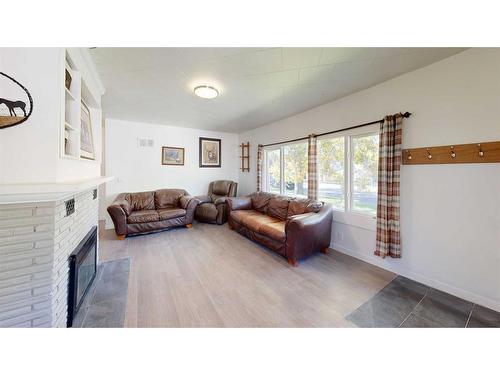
(82, 272)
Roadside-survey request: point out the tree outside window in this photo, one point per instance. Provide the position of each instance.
(295, 169)
(365, 173)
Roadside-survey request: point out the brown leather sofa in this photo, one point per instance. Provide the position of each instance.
(152, 211)
(294, 228)
(213, 207)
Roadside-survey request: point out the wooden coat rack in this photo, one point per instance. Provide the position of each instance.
(245, 157)
(484, 152)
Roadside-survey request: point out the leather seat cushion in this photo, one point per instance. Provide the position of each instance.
(168, 198)
(238, 215)
(278, 207)
(171, 213)
(141, 201)
(214, 197)
(276, 231)
(144, 216)
(206, 211)
(254, 222)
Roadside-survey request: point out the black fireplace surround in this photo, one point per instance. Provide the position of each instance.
(82, 272)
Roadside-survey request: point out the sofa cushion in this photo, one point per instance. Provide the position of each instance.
(214, 197)
(170, 213)
(254, 222)
(260, 201)
(144, 216)
(301, 206)
(141, 201)
(240, 214)
(276, 230)
(221, 187)
(167, 198)
(278, 207)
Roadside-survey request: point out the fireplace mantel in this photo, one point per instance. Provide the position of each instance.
(48, 192)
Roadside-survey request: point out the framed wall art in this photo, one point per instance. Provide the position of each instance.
(86, 137)
(172, 155)
(210, 153)
(16, 103)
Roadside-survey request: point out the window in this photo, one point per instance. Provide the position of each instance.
(286, 170)
(273, 171)
(364, 173)
(331, 175)
(295, 170)
(347, 171)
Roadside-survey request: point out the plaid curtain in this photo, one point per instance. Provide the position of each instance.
(389, 163)
(312, 174)
(260, 152)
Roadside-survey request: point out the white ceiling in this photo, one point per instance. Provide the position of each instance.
(257, 85)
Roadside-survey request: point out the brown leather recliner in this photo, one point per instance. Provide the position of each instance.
(151, 211)
(294, 228)
(212, 207)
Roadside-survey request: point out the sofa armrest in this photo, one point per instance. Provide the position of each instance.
(185, 200)
(189, 204)
(239, 203)
(308, 233)
(203, 199)
(118, 213)
(220, 201)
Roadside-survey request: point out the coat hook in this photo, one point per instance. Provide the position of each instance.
(409, 154)
(481, 153)
(453, 154)
(429, 156)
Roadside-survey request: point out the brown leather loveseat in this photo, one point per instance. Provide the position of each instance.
(152, 211)
(212, 207)
(294, 228)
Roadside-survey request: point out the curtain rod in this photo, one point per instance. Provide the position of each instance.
(405, 115)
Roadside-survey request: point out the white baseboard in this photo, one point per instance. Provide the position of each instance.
(461, 293)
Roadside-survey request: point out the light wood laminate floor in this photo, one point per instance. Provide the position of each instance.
(210, 276)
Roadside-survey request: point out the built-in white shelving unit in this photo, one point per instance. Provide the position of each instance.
(77, 92)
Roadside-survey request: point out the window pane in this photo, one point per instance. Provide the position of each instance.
(295, 169)
(273, 171)
(364, 173)
(331, 166)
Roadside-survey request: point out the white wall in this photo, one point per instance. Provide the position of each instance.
(29, 152)
(140, 169)
(450, 214)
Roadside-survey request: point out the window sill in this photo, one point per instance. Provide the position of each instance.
(356, 220)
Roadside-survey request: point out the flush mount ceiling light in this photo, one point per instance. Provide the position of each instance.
(206, 92)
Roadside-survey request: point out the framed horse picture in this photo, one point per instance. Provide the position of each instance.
(86, 137)
(210, 153)
(16, 103)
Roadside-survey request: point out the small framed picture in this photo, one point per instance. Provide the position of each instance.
(86, 137)
(172, 155)
(210, 153)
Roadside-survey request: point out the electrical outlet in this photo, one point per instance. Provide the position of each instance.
(340, 236)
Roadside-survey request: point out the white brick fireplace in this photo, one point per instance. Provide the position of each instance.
(36, 237)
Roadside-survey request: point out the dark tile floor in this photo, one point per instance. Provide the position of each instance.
(106, 301)
(406, 303)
